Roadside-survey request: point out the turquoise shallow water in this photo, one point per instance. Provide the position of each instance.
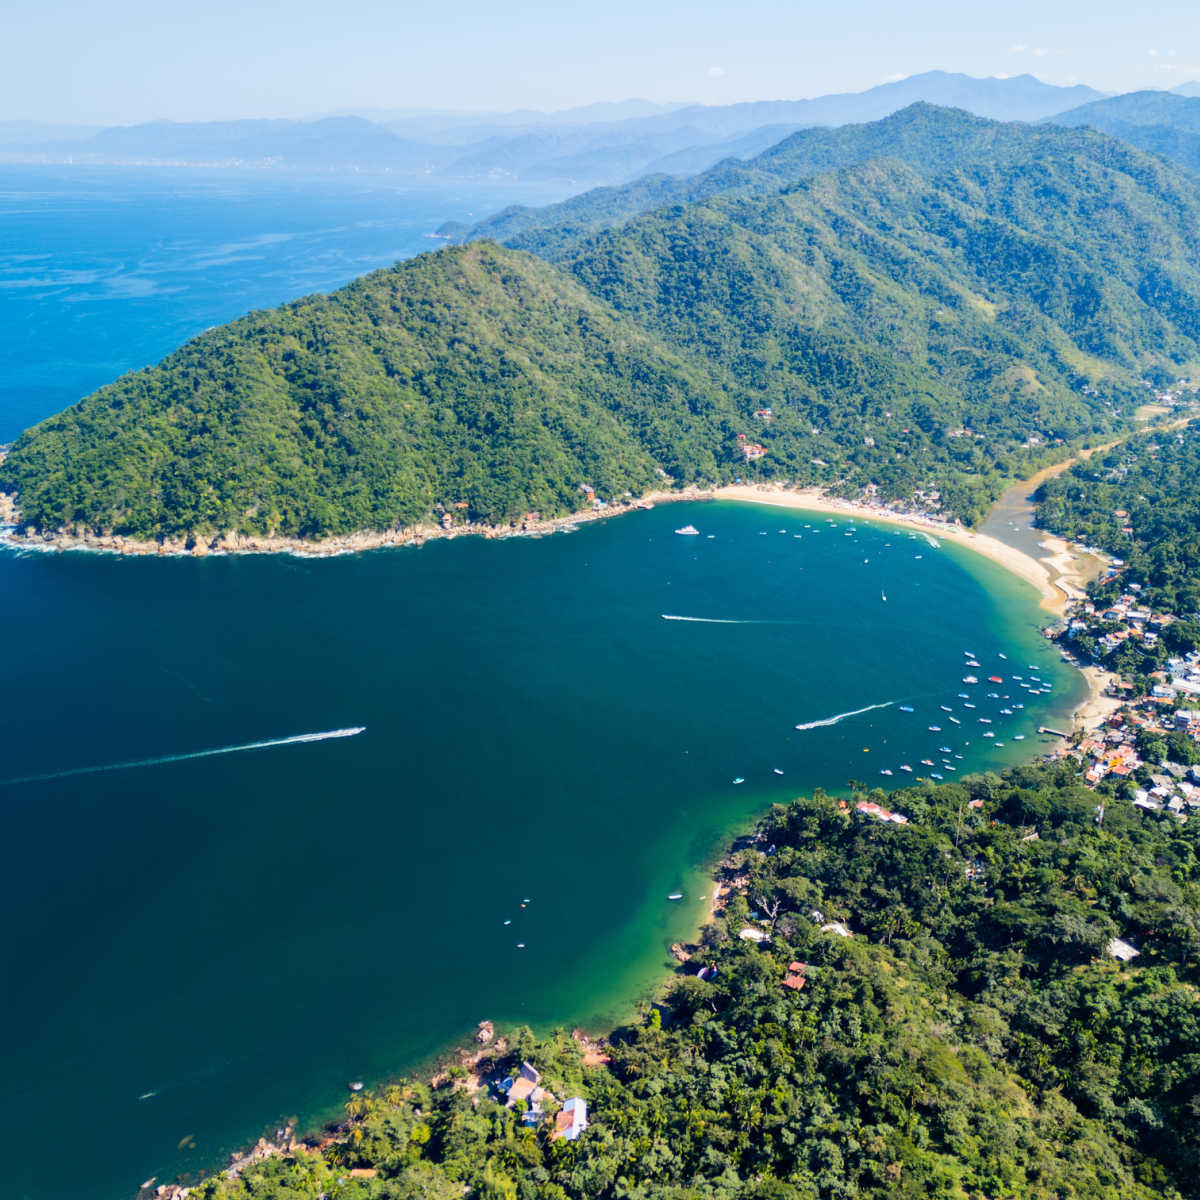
(235, 936)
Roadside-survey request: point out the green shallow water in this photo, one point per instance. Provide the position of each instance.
(241, 934)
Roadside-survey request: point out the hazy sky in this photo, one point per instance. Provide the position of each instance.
(132, 60)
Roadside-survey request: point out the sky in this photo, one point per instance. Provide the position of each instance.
(133, 60)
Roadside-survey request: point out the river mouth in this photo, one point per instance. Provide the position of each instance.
(216, 943)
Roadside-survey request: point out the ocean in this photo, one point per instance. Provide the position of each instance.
(276, 824)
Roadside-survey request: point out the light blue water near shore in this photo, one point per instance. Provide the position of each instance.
(205, 943)
(103, 269)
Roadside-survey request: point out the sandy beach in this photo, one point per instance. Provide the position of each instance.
(1060, 576)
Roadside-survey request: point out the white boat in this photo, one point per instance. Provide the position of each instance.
(956, 720)
(675, 896)
(777, 770)
(688, 531)
(885, 771)
(945, 708)
(970, 679)
(935, 729)
(906, 767)
(740, 779)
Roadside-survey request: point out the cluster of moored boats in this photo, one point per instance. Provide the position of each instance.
(1005, 703)
(1004, 706)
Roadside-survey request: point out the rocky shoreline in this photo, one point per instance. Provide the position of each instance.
(233, 542)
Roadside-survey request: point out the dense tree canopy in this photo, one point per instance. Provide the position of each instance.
(1139, 501)
(971, 1039)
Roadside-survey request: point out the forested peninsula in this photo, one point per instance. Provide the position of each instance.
(922, 307)
(930, 1009)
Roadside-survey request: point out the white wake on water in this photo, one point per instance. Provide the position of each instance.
(843, 716)
(294, 740)
(723, 620)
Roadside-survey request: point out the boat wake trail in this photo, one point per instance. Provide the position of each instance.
(844, 716)
(722, 620)
(294, 740)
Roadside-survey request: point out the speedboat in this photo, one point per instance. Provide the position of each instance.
(906, 708)
(739, 779)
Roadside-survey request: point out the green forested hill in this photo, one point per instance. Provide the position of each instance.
(1159, 122)
(932, 327)
(476, 375)
(1151, 482)
(925, 138)
(972, 1039)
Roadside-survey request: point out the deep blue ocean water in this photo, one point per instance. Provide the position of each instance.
(200, 947)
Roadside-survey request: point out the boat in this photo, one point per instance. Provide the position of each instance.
(972, 663)
(675, 896)
(885, 771)
(993, 695)
(777, 771)
(950, 768)
(883, 596)
(906, 767)
(1003, 656)
(969, 653)
(935, 729)
(688, 531)
(990, 734)
(995, 679)
(1006, 712)
(906, 708)
(968, 705)
(935, 775)
(1018, 737)
(964, 695)
(945, 708)
(970, 679)
(927, 762)
(740, 779)
(985, 720)
(943, 749)
(956, 720)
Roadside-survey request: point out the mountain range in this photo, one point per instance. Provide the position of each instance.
(596, 144)
(929, 303)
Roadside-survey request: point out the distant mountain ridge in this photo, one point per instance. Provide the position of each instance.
(606, 143)
(552, 230)
(1164, 123)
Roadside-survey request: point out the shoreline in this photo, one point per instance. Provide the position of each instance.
(1057, 576)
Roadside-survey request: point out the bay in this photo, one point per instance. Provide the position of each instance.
(203, 947)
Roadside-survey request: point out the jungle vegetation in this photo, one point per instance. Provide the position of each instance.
(973, 1038)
